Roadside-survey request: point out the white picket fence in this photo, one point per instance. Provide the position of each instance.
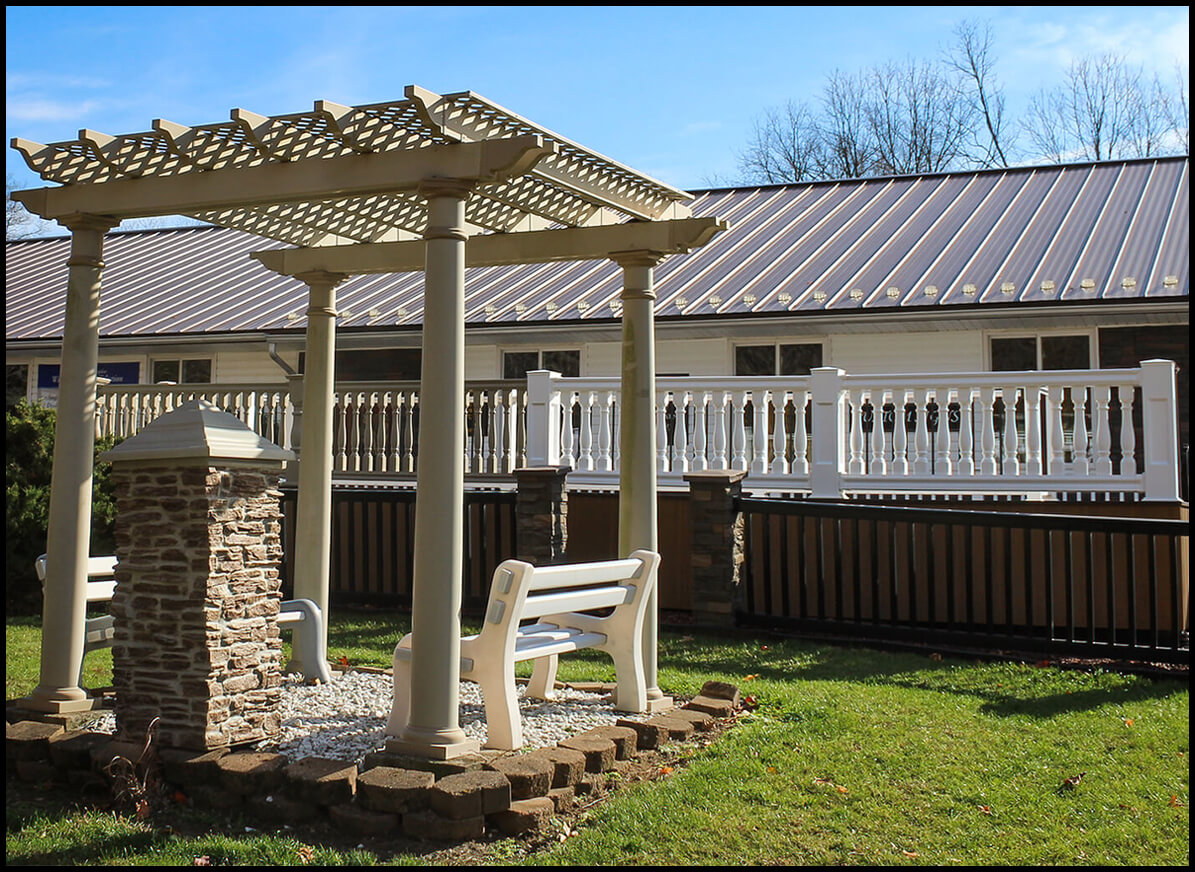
(826, 434)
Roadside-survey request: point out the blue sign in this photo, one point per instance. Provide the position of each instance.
(116, 373)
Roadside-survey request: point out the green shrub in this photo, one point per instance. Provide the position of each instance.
(28, 456)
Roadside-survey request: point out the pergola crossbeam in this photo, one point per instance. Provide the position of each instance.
(501, 249)
(298, 182)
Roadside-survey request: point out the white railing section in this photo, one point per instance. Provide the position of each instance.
(374, 425)
(827, 433)
(831, 433)
(122, 410)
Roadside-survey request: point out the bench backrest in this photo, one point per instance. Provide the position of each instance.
(521, 591)
(101, 581)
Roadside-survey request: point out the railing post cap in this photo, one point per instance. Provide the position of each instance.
(715, 476)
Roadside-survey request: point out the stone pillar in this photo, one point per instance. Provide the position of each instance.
(541, 514)
(433, 722)
(313, 510)
(637, 438)
(199, 549)
(717, 551)
(68, 537)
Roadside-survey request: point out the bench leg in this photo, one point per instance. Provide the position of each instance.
(543, 678)
(401, 707)
(631, 693)
(503, 724)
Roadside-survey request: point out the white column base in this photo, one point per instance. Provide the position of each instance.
(415, 743)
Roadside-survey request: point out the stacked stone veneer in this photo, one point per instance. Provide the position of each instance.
(196, 603)
(541, 514)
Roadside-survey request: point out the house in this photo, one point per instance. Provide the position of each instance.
(1059, 267)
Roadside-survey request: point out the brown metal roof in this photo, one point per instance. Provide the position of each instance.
(1084, 232)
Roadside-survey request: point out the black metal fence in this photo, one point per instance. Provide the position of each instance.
(373, 534)
(1031, 583)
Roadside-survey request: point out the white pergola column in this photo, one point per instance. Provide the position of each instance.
(313, 514)
(433, 722)
(68, 537)
(637, 438)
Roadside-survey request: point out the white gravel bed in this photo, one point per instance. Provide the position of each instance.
(345, 720)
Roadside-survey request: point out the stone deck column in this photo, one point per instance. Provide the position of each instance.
(68, 538)
(717, 554)
(541, 514)
(199, 548)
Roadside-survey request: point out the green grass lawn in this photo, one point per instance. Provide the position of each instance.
(852, 757)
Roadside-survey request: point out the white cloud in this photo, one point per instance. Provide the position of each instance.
(39, 109)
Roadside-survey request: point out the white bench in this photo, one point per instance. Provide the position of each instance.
(101, 582)
(100, 631)
(559, 601)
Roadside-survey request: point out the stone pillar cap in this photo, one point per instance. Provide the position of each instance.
(198, 430)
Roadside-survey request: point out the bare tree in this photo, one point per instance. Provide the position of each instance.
(1104, 109)
(785, 146)
(971, 58)
(919, 118)
(849, 149)
(18, 222)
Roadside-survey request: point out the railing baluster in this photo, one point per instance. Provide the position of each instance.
(605, 461)
(1128, 433)
(1080, 465)
(854, 400)
(1011, 466)
(738, 430)
(701, 460)
(1101, 398)
(1034, 466)
(760, 405)
(779, 406)
(682, 450)
(663, 461)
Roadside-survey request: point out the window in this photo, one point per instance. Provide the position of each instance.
(182, 372)
(516, 364)
(1020, 353)
(796, 359)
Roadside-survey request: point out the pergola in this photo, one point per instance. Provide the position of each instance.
(431, 182)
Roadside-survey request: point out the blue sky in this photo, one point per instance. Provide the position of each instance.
(669, 90)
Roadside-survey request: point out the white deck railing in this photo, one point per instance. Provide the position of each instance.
(831, 433)
(827, 434)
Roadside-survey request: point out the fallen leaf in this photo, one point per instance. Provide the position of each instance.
(751, 677)
(1128, 722)
(305, 854)
(665, 770)
(772, 770)
(344, 661)
(910, 853)
(142, 809)
(1174, 803)
(763, 647)
(1071, 783)
(205, 860)
(840, 788)
(986, 809)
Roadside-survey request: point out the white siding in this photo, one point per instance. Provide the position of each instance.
(242, 366)
(694, 357)
(953, 351)
(482, 362)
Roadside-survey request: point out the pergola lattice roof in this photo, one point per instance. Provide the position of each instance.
(569, 186)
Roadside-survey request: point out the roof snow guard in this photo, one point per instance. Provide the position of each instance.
(527, 178)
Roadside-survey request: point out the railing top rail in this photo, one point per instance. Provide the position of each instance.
(964, 517)
(1020, 378)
